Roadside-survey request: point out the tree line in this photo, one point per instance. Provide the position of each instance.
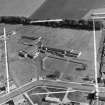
(73, 24)
(65, 23)
(14, 20)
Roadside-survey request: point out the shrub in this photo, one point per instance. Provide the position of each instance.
(54, 75)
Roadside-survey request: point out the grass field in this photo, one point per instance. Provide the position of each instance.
(19, 7)
(66, 9)
(24, 70)
(64, 96)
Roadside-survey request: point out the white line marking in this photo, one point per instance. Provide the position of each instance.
(6, 61)
(58, 92)
(53, 92)
(51, 20)
(27, 96)
(95, 62)
(71, 82)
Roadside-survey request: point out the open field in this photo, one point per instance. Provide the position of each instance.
(19, 7)
(66, 9)
(75, 96)
(24, 70)
(47, 83)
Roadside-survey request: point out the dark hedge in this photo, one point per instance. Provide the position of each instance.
(73, 24)
(65, 23)
(14, 20)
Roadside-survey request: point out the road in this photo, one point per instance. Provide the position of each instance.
(62, 84)
(27, 87)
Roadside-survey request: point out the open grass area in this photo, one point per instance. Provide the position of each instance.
(23, 70)
(66, 9)
(19, 7)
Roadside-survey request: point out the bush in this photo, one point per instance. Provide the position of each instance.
(91, 96)
(10, 102)
(14, 20)
(55, 75)
(10, 19)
